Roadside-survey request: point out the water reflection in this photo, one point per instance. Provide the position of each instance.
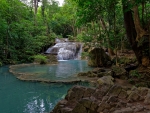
(65, 70)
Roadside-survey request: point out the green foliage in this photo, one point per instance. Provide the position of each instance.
(135, 73)
(40, 59)
(21, 35)
(99, 21)
(63, 21)
(84, 55)
(70, 37)
(126, 60)
(84, 37)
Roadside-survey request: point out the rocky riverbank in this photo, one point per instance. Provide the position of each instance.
(113, 94)
(105, 99)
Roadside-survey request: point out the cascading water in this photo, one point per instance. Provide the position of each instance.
(65, 50)
(79, 52)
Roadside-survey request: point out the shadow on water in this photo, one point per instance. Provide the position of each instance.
(27, 97)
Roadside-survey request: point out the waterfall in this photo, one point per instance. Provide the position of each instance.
(65, 50)
(79, 52)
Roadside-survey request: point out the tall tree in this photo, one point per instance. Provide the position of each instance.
(136, 34)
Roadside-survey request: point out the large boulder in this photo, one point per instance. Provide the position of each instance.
(98, 58)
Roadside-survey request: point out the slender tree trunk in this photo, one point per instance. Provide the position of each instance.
(35, 10)
(110, 51)
(35, 6)
(73, 29)
(116, 45)
(93, 28)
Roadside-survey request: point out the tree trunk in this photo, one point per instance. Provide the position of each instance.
(131, 33)
(110, 51)
(35, 6)
(35, 10)
(139, 30)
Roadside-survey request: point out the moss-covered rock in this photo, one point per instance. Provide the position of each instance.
(101, 74)
(98, 58)
(97, 72)
(140, 77)
(106, 80)
(119, 72)
(52, 59)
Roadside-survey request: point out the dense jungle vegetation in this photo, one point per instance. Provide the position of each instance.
(29, 27)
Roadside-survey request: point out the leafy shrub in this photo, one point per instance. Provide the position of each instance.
(84, 55)
(126, 60)
(135, 73)
(71, 38)
(1, 64)
(84, 37)
(40, 59)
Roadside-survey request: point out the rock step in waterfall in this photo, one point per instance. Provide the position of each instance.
(65, 50)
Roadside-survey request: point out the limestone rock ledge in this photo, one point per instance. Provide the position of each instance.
(105, 99)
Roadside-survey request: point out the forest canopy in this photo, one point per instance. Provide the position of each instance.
(29, 27)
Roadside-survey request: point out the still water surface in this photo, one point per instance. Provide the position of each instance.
(65, 70)
(26, 97)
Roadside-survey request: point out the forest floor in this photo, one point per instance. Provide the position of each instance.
(137, 75)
